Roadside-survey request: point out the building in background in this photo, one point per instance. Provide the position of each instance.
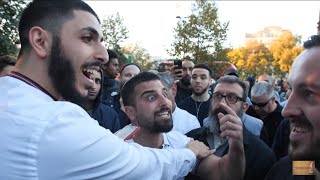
(265, 36)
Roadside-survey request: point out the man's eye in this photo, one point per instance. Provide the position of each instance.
(308, 93)
(151, 98)
(87, 38)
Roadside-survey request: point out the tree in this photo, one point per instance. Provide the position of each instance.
(139, 55)
(284, 50)
(252, 60)
(10, 11)
(201, 35)
(114, 32)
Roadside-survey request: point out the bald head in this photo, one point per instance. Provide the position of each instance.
(262, 88)
(266, 78)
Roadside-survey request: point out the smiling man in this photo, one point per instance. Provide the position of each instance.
(44, 133)
(303, 112)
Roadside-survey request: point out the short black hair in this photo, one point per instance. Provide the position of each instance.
(6, 61)
(204, 66)
(49, 15)
(313, 41)
(112, 55)
(128, 90)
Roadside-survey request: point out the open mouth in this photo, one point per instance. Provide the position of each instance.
(88, 72)
(163, 114)
(298, 129)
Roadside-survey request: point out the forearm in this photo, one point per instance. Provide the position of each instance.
(232, 165)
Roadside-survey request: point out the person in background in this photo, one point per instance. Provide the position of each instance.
(6, 65)
(111, 86)
(182, 79)
(44, 131)
(105, 115)
(126, 72)
(265, 107)
(199, 102)
(267, 78)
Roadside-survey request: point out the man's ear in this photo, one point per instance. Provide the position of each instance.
(245, 106)
(174, 90)
(40, 41)
(131, 113)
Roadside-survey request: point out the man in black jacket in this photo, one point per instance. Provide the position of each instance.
(231, 91)
(105, 115)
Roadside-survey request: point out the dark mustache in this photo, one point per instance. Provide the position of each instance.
(300, 121)
(218, 110)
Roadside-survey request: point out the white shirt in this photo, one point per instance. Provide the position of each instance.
(183, 121)
(173, 140)
(45, 139)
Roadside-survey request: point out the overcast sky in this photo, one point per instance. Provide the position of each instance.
(151, 23)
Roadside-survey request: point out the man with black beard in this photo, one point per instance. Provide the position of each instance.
(147, 105)
(230, 91)
(59, 68)
(184, 88)
(303, 113)
(199, 102)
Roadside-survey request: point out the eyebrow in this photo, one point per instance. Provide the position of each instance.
(146, 92)
(93, 31)
(312, 86)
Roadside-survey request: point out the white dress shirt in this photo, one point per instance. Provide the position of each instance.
(183, 121)
(173, 140)
(45, 139)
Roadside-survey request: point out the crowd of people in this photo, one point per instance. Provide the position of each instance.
(65, 98)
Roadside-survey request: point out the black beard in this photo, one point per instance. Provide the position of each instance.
(201, 92)
(62, 74)
(156, 126)
(185, 81)
(216, 123)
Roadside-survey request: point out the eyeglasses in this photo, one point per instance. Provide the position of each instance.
(260, 104)
(229, 98)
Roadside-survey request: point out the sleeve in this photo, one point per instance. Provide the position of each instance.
(194, 122)
(74, 147)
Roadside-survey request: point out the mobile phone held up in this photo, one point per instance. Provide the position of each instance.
(178, 63)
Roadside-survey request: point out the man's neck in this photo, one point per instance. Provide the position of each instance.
(147, 139)
(40, 76)
(204, 97)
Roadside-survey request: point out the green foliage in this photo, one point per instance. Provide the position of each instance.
(140, 56)
(114, 32)
(201, 35)
(10, 11)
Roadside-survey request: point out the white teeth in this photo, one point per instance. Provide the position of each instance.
(163, 114)
(91, 71)
(299, 129)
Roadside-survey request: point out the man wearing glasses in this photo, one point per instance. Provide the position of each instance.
(227, 102)
(265, 107)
